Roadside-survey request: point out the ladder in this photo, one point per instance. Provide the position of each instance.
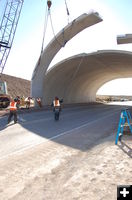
(125, 116)
(8, 28)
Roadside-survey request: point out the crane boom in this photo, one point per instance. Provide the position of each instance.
(8, 28)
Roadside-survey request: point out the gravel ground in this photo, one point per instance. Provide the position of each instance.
(53, 171)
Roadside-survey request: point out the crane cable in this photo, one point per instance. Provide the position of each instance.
(64, 41)
(45, 27)
(67, 10)
(48, 13)
(44, 31)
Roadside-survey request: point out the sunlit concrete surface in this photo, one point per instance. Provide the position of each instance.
(124, 103)
(67, 33)
(77, 79)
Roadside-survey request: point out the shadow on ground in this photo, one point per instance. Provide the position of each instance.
(79, 129)
(126, 147)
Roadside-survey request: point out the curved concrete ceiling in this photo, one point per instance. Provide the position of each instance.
(67, 33)
(78, 78)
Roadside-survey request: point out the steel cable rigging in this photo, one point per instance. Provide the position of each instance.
(47, 15)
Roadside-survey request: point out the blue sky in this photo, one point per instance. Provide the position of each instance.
(117, 19)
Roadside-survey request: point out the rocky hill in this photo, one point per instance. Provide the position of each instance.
(16, 86)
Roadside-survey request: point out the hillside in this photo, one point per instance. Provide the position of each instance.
(16, 86)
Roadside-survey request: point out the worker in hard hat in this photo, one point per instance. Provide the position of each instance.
(13, 110)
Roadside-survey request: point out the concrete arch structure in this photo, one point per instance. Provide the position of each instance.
(67, 33)
(78, 78)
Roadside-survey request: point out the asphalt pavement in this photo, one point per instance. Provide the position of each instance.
(34, 128)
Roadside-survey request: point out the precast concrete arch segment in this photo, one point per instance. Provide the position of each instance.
(67, 33)
(78, 78)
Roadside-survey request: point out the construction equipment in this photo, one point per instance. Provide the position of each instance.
(8, 28)
(125, 116)
(7, 32)
(4, 97)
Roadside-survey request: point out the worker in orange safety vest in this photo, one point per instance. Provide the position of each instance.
(56, 103)
(13, 111)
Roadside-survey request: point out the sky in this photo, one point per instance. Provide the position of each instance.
(26, 48)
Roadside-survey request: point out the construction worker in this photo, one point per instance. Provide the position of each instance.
(18, 100)
(56, 103)
(13, 110)
(28, 101)
(39, 102)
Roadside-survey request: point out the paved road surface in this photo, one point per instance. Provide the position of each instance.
(37, 127)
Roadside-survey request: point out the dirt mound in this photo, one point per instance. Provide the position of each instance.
(16, 86)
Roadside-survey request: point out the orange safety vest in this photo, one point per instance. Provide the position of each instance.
(13, 105)
(56, 103)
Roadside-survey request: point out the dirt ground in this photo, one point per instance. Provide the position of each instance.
(52, 171)
(17, 86)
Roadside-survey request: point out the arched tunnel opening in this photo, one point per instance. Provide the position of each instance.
(78, 78)
(116, 90)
